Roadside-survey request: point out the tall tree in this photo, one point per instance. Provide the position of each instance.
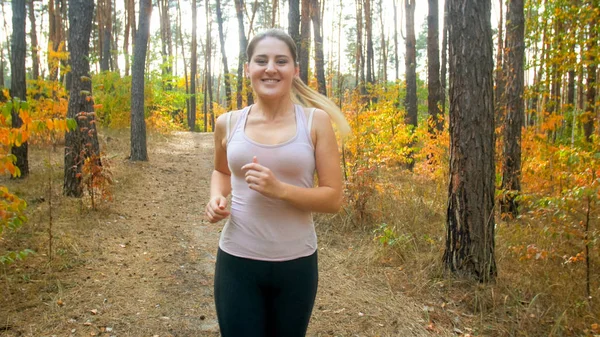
(470, 216)
(55, 36)
(227, 76)
(359, 60)
(499, 71)
(17, 79)
(165, 34)
(396, 58)
(104, 14)
(369, 37)
(82, 142)
(592, 68)
(139, 152)
(185, 74)
(193, 69)
(514, 79)
(126, 35)
(315, 14)
(410, 63)
(239, 5)
(208, 96)
(294, 21)
(434, 85)
(304, 46)
(35, 57)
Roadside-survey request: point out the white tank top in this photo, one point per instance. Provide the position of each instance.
(263, 228)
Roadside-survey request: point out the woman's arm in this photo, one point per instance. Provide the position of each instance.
(327, 196)
(220, 183)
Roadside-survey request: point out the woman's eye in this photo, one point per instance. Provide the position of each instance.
(282, 62)
(260, 61)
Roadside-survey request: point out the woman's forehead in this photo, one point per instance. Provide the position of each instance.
(272, 46)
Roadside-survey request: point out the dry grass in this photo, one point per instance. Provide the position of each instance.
(530, 297)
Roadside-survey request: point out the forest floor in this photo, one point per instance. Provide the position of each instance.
(143, 264)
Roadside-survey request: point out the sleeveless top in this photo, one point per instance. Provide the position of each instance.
(263, 228)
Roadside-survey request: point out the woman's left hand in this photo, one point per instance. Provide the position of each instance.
(262, 180)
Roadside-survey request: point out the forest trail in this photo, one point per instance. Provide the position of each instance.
(146, 264)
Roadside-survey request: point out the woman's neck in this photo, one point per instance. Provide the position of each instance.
(272, 109)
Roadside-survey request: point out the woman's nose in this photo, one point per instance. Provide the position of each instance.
(270, 66)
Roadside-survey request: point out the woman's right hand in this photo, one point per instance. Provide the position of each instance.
(216, 209)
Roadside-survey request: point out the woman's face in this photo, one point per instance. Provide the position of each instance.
(271, 68)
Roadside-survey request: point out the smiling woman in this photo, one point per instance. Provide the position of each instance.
(266, 156)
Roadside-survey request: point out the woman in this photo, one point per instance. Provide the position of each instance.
(266, 156)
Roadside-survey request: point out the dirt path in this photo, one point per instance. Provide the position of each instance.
(145, 265)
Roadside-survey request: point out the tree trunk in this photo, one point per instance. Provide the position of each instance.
(193, 69)
(208, 73)
(589, 115)
(514, 78)
(185, 74)
(369, 33)
(106, 34)
(444, 57)
(315, 11)
(396, 58)
(411, 65)
(294, 21)
(18, 86)
(35, 58)
(139, 152)
(384, 46)
(165, 33)
(359, 63)
(434, 86)
(81, 143)
(499, 102)
(274, 13)
(470, 216)
(227, 77)
(126, 36)
(239, 5)
(304, 47)
(55, 38)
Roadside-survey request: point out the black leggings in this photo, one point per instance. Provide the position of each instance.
(263, 298)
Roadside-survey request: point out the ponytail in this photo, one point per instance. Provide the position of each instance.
(306, 96)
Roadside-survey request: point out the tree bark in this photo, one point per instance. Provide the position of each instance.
(470, 216)
(499, 102)
(315, 11)
(589, 116)
(294, 21)
(55, 38)
(396, 58)
(18, 88)
(514, 119)
(239, 5)
(81, 143)
(369, 36)
(434, 86)
(444, 65)
(139, 151)
(304, 47)
(35, 57)
(227, 76)
(106, 13)
(411, 65)
(193, 69)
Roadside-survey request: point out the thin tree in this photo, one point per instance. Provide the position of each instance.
(17, 80)
(304, 46)
(55, 37)
(444, 65)
(294, 21)
(410, 63)
(274, 13)
(126, 36)
(193, 69)
(139, 152)
(82, 142)
(499, 102)
(396, 58)
(470, 214)
(208, 96)
(227, 76)
(369, 37)
(243, 42)
(589, 115)
(434, 85)
(319, 56)
(35, 57)
(513, 122)
(105, 13)
(165, 33)
(185, 74)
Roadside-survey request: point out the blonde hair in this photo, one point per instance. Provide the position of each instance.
(302, 93)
